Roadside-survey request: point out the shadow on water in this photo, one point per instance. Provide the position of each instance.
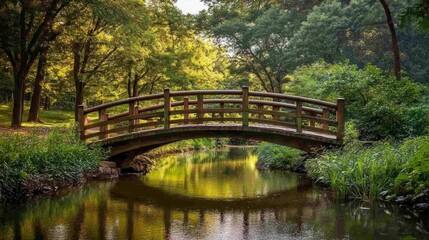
(207, 195)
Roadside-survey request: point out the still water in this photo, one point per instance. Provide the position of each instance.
(207, 195)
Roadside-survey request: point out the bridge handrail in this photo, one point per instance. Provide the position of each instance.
(305, 117)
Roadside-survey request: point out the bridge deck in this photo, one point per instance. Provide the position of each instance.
(287, 131)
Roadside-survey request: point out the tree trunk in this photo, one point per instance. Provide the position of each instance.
(47, 103)
(79, 98)
(18, 99)
(395, 47)
(33, 115)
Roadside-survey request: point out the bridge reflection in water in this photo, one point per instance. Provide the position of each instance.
(189, 198)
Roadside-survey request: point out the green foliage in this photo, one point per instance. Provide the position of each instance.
(363, 172)
(415, 175)
(277, 156)
(29, 160)
(381, 106)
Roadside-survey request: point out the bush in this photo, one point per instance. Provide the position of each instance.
(278, 157)
(415, 175)
(364, 172)
(381, 106)
(29, 159)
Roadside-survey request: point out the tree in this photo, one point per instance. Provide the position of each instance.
(26, 27)
(394, 39)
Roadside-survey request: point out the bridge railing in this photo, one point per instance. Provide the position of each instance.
(244, 107)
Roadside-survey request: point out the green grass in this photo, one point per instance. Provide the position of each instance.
(28, 161)
(50, 118)
(364, 172)
(278, 157)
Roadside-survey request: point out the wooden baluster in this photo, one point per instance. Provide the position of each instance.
(167, 107)
(136, 112)
(312, 122)
(186, 108)
(102, 117)
(260, 115)
(200, 108)
(131, 113)
(245, 106)
(275, 109)
(221, 114)
(81, 118)
(341, 105)
(298, 116)
(325, 116)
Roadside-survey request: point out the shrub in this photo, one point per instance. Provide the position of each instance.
(381, 106)
(278, 157)
(415, 175)
(27, 159)
(364, 172)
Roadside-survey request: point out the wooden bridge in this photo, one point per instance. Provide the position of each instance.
(138, 124)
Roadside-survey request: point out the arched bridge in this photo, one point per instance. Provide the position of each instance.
(139, 124)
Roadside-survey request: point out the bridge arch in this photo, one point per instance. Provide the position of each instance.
(155, 120)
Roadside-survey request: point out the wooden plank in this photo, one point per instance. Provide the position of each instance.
(102, 118)
(320, 120)
(186, 109)
(325, 115)
(299, 117)
(273, 122)
(167, 108)
(268, 112)
(221, 114)
(124, 119)
(245, 106)
(131, 113)
(125, 128)
(200, 107)
(122, 102)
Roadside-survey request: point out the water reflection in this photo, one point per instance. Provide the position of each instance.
(210, 195)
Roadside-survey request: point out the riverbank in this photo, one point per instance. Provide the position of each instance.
(35, 163)
(396, 172)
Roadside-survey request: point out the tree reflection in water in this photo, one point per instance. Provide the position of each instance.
(210, 195)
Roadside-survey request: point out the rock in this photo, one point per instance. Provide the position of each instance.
(403, 199)
(421, 197)
(139, 164)
(107, 164)
(422, 207)
(390, 197)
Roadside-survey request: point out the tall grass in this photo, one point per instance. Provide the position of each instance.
(364, 172)
(27, 160)
(277, 156)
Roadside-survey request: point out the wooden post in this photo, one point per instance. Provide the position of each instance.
(200, 108)
(260, 115)
(276, 109)
(245, 106)
(81, 121)
(131, 112)
(167, 107)
(312, 122)
(341, 105)
(325, 116)
(136, 112)
(186, 108)
(298, 116)
(221, 115)
(103, 117)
